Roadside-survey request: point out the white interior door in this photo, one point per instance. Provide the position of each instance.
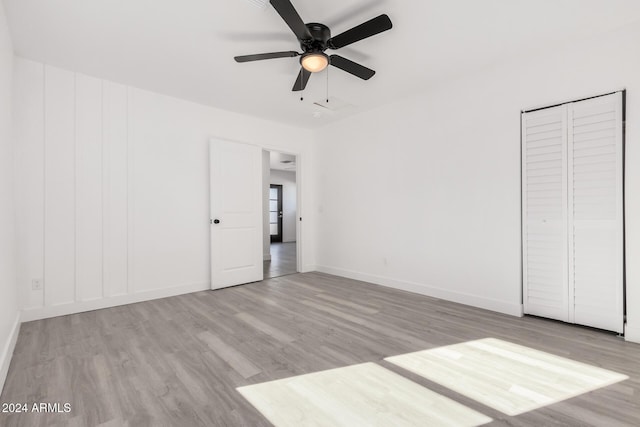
(544, 213)
(595, 212)
(236, 213)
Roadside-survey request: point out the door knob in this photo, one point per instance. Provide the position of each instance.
(216, 221)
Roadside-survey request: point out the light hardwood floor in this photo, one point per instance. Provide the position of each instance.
(178, 361)
(283, 260)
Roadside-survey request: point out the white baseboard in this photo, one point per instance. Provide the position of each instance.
(7, 351)
(632, 334)
(30, 314)
(513, 309)
(309, 268)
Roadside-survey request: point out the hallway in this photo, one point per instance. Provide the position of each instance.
(283, 260)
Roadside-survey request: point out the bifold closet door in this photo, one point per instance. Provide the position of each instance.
(572, 211)
(596, 212)
(544, 213)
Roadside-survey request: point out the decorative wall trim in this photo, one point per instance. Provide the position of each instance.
(7, 351)
(513, 309)
(59, 106)
(113, 301)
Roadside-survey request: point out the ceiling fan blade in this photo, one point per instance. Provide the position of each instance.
(351, 67)
(261, 56)
(291, 17)
(370, 28)
(301, 81)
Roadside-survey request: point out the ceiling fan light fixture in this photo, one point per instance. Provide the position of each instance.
(314, 62)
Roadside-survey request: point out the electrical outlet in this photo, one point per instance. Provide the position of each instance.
(36, 284)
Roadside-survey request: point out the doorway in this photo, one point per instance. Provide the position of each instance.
(240, 184)
(280, 186)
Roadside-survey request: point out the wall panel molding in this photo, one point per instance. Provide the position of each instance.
(113, 189)
(115, 185)
(89, 188)
(111, 301)
(60, 187)
(130, 189)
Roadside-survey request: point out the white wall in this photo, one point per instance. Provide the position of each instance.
(288, 181)
(9, 313)
(114, 203)
(424, 194)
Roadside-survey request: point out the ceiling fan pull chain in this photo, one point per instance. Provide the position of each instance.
(301, 85)
(327, 85)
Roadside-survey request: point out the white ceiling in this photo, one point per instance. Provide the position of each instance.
(281, 161)
(186, 48)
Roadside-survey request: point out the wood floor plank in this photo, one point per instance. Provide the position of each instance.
(230, 355)
(356, 306)
(266, 328)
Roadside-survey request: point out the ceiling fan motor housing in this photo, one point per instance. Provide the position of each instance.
(321, 35)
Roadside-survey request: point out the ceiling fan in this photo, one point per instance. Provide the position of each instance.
(315, 38)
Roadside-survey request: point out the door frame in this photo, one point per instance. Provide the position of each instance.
(299, 204)
(300, 195)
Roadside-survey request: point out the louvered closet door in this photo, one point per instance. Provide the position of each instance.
(595, 212)
(544, 211)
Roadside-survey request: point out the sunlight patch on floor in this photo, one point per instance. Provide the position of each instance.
(359, 395)
(508, 377)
